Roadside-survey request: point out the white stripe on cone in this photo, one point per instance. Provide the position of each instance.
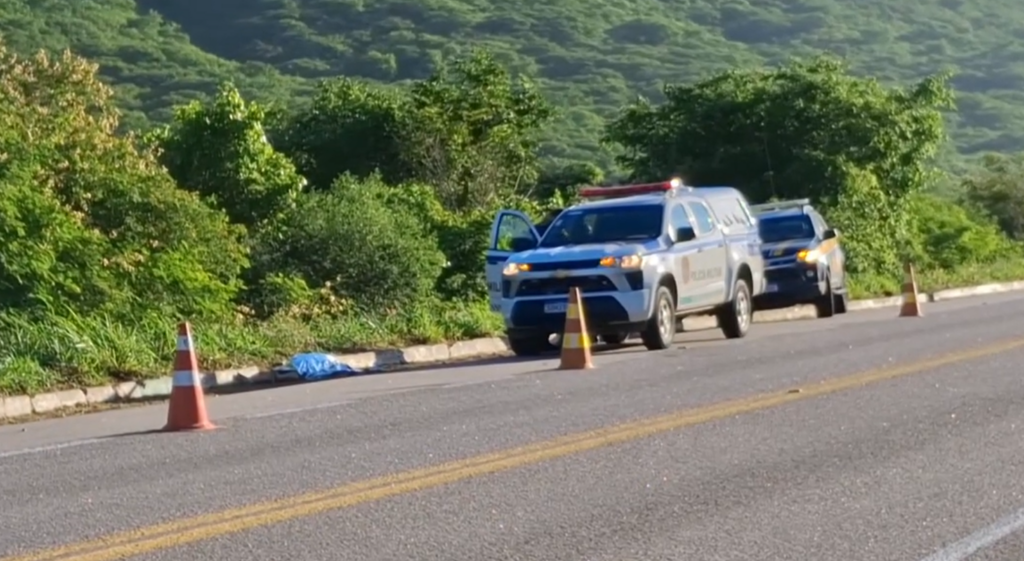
(185, 378)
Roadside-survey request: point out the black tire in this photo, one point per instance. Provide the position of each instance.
(826, 303)
(661, 328)
(614, 338)
(531, 345)
(735, 317)
(839, 302)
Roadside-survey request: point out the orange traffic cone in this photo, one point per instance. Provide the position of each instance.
(187, 409)
(911, 307)
(575, 340)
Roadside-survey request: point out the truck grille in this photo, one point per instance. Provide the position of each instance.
(784, 274)
(550, 287)
(566, 265)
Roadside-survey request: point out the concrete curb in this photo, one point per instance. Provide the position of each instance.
(389, 359)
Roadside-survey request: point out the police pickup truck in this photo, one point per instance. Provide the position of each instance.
(643, 256)
(804, 263)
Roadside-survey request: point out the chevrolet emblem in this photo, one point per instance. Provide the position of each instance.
(778, 251)
(561, 274)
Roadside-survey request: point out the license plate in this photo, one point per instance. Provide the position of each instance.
(771, 287)
(555, 307)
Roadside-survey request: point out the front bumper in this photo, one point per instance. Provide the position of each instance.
(602, 313)
(790, 286)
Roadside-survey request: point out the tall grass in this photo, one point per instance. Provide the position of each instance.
(871, 286)
(77, 351)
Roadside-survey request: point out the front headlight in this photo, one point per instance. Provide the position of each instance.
(512, 269)
(809, 255)
(631, 262)
(627, 262)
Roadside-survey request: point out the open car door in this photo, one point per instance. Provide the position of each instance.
(511, 232)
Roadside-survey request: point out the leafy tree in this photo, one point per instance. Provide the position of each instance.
(563, 179)
(49, 258)
(88, 221)
(220, 151)
(808, 129)
(470, 130)
(475, 134)
(998, 189)
(350, 127)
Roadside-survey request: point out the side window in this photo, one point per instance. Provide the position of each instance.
(678, 218)
(510, 228)
(705, 224)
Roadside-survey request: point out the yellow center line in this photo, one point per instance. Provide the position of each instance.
(159, 537)
(287, 502)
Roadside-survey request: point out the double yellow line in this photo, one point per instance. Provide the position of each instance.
(190, 530)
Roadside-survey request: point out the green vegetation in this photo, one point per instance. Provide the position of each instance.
(359, 217)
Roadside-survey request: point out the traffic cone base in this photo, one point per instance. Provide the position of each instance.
(186, 410)
(190, 413)
(575, 340)
(911, 307)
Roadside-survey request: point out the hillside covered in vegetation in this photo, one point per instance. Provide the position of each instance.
(589, 57)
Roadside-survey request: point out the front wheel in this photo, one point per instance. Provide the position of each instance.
(736, 316)
(840, 300)
(614, 338)
(531, 345)
(661, 328)
(826, 304)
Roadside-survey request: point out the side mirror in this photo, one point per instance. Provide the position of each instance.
(522, 244)
(685, 235)
(830, 233)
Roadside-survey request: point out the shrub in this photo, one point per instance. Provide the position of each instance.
(353, 242)
(946, 235)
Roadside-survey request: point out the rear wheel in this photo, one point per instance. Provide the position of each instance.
(661, 328)
(736, 316)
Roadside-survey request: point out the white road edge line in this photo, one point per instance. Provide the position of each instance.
(292, 410)
(52, 447)
(981, 539)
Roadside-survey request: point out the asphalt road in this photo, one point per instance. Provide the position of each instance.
(859, 438)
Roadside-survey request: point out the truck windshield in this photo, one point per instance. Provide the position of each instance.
(783, 228)
(605, 225)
